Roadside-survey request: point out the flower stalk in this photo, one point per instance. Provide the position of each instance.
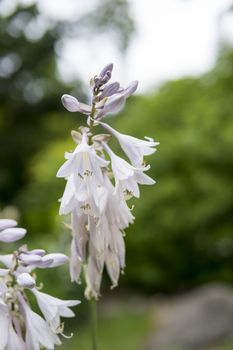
(99, 184)
(94, 323)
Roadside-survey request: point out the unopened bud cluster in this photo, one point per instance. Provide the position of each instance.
(99, 183)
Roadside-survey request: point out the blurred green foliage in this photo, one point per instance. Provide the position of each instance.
(182, 235)
(126, 329)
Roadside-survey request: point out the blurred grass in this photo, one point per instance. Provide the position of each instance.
(126, 330)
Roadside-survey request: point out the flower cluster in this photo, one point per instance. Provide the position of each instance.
(99, 183)
(22, 328)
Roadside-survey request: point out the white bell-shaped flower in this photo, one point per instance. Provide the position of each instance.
(84, 171)
(38, 332)
(127, 177)
(134, 148)
(54, 308)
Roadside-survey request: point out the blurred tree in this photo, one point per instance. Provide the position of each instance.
(30, 87)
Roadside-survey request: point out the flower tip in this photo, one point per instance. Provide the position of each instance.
(70, 103)
(131, 88)
(107, 68)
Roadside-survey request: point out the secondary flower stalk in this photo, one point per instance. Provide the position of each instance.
(22, 328)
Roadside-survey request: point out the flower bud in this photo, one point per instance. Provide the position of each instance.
(26, 281)
(110, 90)
(106, 69)
(12, 234)
(29, 259)
(54, 259)
(40, 252)
(7, 223)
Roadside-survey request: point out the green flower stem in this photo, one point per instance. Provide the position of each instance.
(93, 308)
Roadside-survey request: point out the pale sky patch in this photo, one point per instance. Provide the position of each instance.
(174, 38)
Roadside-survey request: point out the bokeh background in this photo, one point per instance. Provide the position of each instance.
(180, 250)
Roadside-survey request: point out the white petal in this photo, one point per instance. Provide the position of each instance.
(68, 199)
(4, 328)
(7, 260)
(75, 264)
(131, 88)
(52, 307)
(80, 234)
(4, 272)
(133, 147)
(113, 267)
(67, 168)
(38, 332)
(15, 342)
(143, 179)
(93, 279)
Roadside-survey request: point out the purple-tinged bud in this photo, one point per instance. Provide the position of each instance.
(110, 90)
(73, 105)
(29, 259)
(44, 263)
(106, 69)
(25, 280)
(12, 234)
(7, 223)
(53, 260)
(40, 252)
(130, 89)
(113, 105)
(106, 77)
(97, 82)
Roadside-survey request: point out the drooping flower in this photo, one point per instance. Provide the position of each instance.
(134, 148)
(127, 177)
(99, 183)
(38, 332)
(53, 308)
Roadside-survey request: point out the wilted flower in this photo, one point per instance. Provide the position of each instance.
(20, 327)
(97, 188)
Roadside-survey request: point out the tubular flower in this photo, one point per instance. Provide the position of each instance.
(99, 183)
(21, 327)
